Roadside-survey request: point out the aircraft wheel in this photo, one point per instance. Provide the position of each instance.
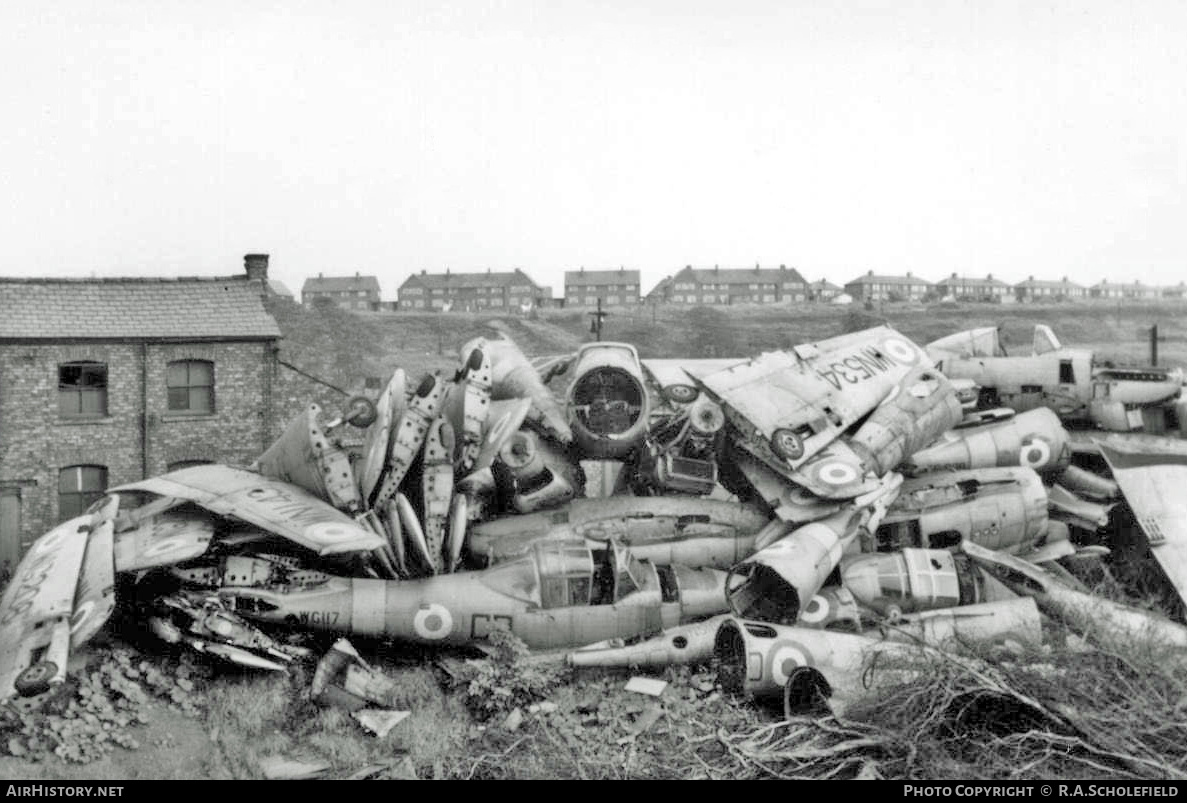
(361, 412)
(36, 678)
(787, 444)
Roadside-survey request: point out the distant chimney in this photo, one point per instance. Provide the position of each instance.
(782, 267)
(582, 269)
(423, 271)
(356, 274)
(256, 266)
(320, 275)
(715, 269)
(1032, 278)
(908, 274)
(989, 276)
(953, 274)
(869, 273)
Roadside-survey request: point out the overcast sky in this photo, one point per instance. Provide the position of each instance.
(1011, 138)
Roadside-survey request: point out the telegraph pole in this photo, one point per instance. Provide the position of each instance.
(595, 325)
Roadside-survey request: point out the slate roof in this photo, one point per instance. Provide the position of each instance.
(881, 278)
(823, 284)
(739, 275)
(971, 281)
(334, 284)
(576, 278)
(1042, 283)
(484, 279)
(176, 308)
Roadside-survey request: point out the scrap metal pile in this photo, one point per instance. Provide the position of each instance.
(792, 515)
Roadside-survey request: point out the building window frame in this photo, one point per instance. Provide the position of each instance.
(79, 486)
(82, 389)
(188, 385)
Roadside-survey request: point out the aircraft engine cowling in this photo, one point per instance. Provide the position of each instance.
(1035, 439)
(919, 409)
(607, 403)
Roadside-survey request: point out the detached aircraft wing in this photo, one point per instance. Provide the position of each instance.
(1153, 483)
(60, 595)
(275, 506)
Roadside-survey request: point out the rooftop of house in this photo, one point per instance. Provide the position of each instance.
(882, 278)
(973, 281)
(450, 279)
(1063, 284)
(175, 308)
(585, 278)
(336, 284)
(753, 275)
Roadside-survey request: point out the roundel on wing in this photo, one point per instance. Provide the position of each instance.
(1035, 453)
(836, 473)
(80, 616)
(786, 656)
(329, 532)
(787, 444)
(816, 610)
(432, 622)
(900, 350)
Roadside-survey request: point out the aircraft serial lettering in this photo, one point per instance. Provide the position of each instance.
(25, 587)
(866, 364)
(323, 618)
(282, 504)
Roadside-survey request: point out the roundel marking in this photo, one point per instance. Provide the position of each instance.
(900, 350)
(50, 542)
(81, 615)
(1034, 453)
(837, 473)
(786, 657)
(432, 622)
(816, 610)
(329, 532)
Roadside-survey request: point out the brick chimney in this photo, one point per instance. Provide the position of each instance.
(256, 266)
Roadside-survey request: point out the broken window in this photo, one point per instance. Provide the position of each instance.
(78, 488)
(82, 389)
(191, 386)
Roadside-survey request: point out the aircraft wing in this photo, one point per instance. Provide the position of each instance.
(787, 406)
(275, 506)
(39, 610)
(1153, 485)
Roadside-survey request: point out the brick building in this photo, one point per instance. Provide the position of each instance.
(823, 290)
(107, 381)
(464, 292)
(584, 287)
(964, 288)
(348, 292)
(1130, 290)
(736, 286)
(881, 287)
(1046, 290)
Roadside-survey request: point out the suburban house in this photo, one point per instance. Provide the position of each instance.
(1129, 290)
(584, 287)
(755, 285)
(1045, 290)
(823, 290)
(883, 287)
(348, 292)
(108, 381)
(464, 292)
(964, 288)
